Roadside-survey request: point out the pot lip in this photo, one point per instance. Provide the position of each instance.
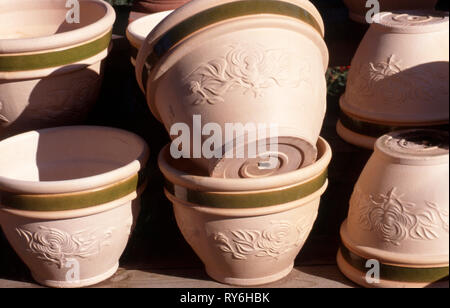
(80, 184)
(248, 212)
(75, 213)
(61, 40)
(203, 183)
(133, 34)
(197, 6)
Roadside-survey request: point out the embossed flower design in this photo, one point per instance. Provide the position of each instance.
(396, 220)
(246, 66)
(56, 246)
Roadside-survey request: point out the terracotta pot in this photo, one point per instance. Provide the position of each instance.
(50, 70)
(68, 199)
(138, 30)
(246, 231)
(358, 10)
(393, 83)
(155, 6)
(231, 62)
(399, 212)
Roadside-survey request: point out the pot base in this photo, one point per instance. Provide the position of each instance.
(355, 138)
(288, 154)
(248, 282)
(77, 284)
(359, 277)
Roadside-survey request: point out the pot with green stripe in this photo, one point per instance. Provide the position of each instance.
(397, 229)
(69, 199)
(246, 231)
(51, 63)
(249, 62)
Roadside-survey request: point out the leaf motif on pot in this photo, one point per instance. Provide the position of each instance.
(396, 220)
(280, 238)
(57, 246)
(249, 67)
(2, 117)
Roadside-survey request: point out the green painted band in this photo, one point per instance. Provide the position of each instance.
(55, 58)
(220, 13)
(396, 273)
(377, 130)
(250, 200)
(72, 201)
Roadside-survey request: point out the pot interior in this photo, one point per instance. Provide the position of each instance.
(31, 18)
(68, 153)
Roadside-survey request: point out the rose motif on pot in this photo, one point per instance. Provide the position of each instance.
(396, 220)
(2, 117)
(280, 238)
(249, 67)
(57, 247)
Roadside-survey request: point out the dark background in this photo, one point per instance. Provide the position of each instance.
(156, 243)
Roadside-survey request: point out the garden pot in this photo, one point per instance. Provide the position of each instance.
(50, 69)
(358, 9)
(155, 6)
(240, 62)
(138, 30)
(246, 231)
(399, 212)
(399, 77)
(69, 198)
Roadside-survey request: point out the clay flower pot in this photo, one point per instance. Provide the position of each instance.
(69, 198)
(50, 69)
(142, 8)
(399, 212)
(138, 30)
(398, 78)
(246, 231)
(358, 10)
(231, 62)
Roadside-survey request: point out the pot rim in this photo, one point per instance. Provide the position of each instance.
(133, 33)
(203, 183)
(193, 8)
(61, 40)
(248, 212)
(80, 184)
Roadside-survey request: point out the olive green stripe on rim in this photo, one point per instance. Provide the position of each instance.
(397, 273)
(54, 58)
(72, 201)
(378, 130)
(250, 200)
(220, 13)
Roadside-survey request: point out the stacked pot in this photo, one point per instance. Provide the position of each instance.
(69, 196)
(143, 8)
(399, 77)
(214, 63)
(397, 233)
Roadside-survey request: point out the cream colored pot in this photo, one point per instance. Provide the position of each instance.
(358, 9)
(399, 213)
(50, 68)
(246, 231)
(69, 198)
(244, 62)
(399, 77)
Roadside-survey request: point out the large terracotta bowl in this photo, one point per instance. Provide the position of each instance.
(50, 69)
(358, 10)
(257, 62)
(246, 231)
(399, 78)
(399, 212)
(69, 198)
